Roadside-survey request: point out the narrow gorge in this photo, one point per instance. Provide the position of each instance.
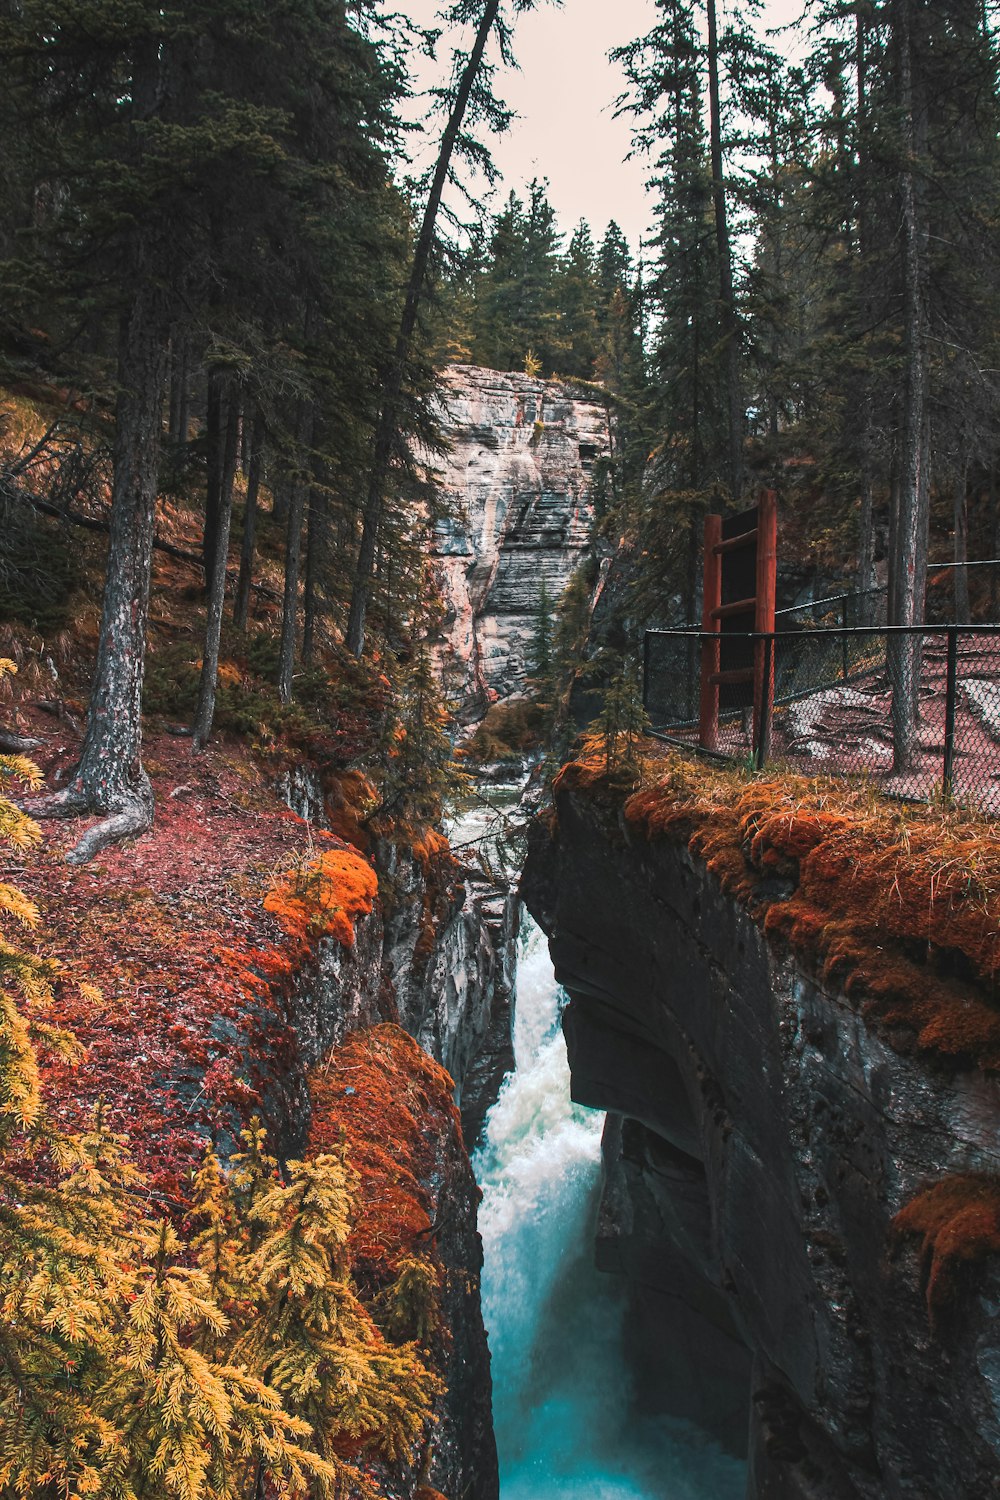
(770, 1158)
(466, 1033)
(687, 1141)
(750, 1294)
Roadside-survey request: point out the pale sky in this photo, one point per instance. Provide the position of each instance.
(564, 94)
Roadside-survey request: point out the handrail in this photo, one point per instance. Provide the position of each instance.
(693, 631)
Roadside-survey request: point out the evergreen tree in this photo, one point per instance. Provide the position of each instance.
(517, 308)
(132, 1364)
(471, 95)
(239, 150)
(578, 305)
(689, 411)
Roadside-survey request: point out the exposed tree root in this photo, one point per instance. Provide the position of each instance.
(129, 815)
(67, 803)
(132, 820)
(17, 744)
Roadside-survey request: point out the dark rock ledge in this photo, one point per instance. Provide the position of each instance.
(760, 1139)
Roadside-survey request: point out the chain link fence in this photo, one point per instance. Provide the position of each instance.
(916, 711)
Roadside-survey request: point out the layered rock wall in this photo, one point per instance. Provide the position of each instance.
(454, 995)
(761, 1140)
(517, 484)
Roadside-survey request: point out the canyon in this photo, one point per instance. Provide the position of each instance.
(760, 1318)
(454, 996)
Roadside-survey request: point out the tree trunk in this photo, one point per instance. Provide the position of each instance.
(866, 548)
(961, 557)
(215, 406)
(241, 606)
(293, 556)
(911, 512)
(183, 397)
(386, 428)
(727, 296)
(866, 519)
(208, 683)
(109, 777)
(315, 532)
(178, 376)
(279, 500)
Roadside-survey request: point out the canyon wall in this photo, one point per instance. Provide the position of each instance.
(761, 1139)
(436, 955)
(517, 484)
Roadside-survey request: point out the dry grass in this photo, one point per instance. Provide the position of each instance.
(958, 1220)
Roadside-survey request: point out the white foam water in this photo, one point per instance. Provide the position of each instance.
(565, 1424)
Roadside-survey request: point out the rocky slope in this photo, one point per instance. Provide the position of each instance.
(517, 482)
(439, 952)
(762, 1139)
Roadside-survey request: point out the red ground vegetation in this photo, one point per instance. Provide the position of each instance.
(899, 906)
(192, 966)
(391, 1105)
(959, 1221)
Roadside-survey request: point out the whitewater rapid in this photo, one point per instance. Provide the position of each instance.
(565, 1424)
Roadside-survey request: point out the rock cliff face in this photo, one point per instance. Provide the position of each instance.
(761, 1140)
(518, 486)
(453, 994)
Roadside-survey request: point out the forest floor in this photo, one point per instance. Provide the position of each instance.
(171, 929)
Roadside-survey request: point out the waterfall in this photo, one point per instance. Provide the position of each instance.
(564, 1423)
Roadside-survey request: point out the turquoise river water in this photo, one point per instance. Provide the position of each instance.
(565, 1418)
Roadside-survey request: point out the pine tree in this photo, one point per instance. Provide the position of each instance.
(420, 767)
(518, 294)
(691, 464)
(578, 301)
(309, 1336)
(622, 720)
(472, 94)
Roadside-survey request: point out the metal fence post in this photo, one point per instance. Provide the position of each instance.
(843, 638)
(950, 697)
(708, 702)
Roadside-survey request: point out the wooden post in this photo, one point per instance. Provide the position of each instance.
(708, 713)
(767, 567)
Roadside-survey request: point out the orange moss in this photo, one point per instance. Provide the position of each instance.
(391, 1105)
(588, 770)
(959, 1221)
(431, 846)
(350, 797)
(324, 897)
